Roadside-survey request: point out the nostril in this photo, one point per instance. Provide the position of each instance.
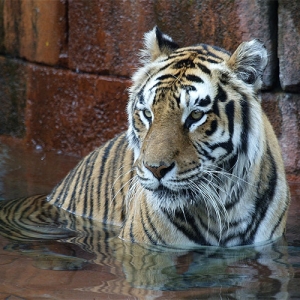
(165, 170)
(160, 171)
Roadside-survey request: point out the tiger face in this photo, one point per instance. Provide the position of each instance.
(191, 114)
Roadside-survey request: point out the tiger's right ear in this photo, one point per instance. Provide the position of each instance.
(249, 62)
(156, 45)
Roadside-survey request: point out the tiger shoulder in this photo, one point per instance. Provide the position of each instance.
(199, 164)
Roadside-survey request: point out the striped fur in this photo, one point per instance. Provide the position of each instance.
(199, 163)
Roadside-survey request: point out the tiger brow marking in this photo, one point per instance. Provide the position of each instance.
(203, 101)
(194, 78)
(203, 68)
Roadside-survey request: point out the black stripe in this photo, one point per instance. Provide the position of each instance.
(65, 186)
(177, 53)
(186, 223)
(204, 152)
(72, 204)
(228, 146)
(212, 61)
(203, 68)
(119, 154)
(160, 85)
(167, 76)
(177, 99)
(229, 109)
(209, 53)
(215, 108)
(150, 238)
(123, 212)
(153, 229)
(221, 94)
(89, 188)
(140, 97)
(188, 87)
(184, 63)
(279, 221)
(132, 239)
(105, 157)
(263, 201)
(84, 184)
(245, 125)
(194, 78)
(213, 128)
(203, 102)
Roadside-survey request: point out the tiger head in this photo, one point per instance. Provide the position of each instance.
(193, 113)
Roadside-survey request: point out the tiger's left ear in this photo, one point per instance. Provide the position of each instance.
(157, 44)
(249, 61)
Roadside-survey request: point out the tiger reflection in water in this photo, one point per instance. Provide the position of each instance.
(235, 273)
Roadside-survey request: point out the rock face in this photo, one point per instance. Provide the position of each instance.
(65, 65)
(289, 45)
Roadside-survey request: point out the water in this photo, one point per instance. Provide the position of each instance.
(91, 262)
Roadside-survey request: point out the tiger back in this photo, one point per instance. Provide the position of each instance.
(199, 164)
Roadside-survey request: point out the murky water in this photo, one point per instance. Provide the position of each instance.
(89, 261)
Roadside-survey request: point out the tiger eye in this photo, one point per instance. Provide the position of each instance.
(196, 114)
(147, 113)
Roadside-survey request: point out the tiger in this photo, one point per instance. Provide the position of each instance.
(199, 164)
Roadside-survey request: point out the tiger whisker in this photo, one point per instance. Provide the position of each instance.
(209, 192)
(121, 188)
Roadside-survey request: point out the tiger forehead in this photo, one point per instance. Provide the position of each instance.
(202, 52)
(182, 95)
(187, 66)
(185, 87)
(187, 70)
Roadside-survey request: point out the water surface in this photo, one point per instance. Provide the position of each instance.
(89, 261)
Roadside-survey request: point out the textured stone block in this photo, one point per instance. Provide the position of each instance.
(289, 44)
(112, 31)
(72, 112)
(13, 88)
(290, 133)
(283, 111)
(105, 36)
(2, 32)
(36, 30)
(271, 106)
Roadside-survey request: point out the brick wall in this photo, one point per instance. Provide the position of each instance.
(65, 65)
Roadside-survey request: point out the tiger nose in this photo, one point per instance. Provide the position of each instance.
(160, 171)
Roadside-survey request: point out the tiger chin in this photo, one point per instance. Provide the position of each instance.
(199, 164)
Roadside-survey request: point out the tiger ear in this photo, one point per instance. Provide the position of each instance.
(249, 61)
(157, 44)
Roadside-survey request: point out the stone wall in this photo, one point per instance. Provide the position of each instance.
(65, 65)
